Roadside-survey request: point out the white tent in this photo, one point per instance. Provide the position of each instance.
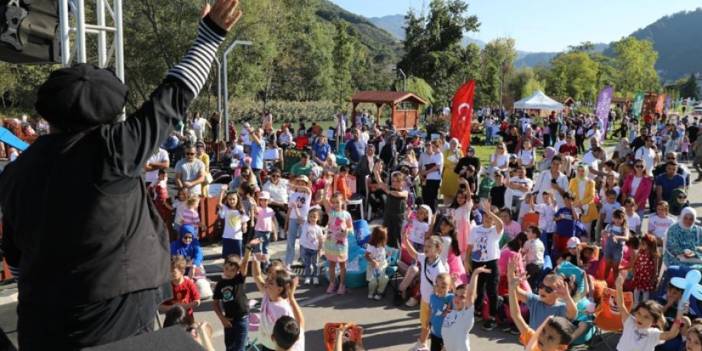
(538, 101)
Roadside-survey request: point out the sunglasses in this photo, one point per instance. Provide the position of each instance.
(189, 153)
(546, 288)
(639, 166)
(682, 196)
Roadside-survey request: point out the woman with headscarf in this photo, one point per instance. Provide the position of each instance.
(449, 181)
(682, 236)
(545, 163)
(583, 190)
(678, 201)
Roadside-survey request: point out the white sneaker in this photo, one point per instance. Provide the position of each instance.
(307, 281)
(370, 296)
(411, 302)
(377, 297)
(419, 347)
(315, 281)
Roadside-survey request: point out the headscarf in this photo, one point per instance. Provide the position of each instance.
(584, 167)
(191, 251)
(675, 207)
(686, 211)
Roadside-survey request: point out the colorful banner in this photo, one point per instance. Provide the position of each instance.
(638, 104)
(462, 113)
(660, 103)
(604, 100)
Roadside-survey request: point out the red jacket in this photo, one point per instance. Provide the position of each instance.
(642, 192)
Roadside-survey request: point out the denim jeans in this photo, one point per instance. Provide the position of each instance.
(294, 229)
(309, 261)
(235, 337)
(265, 240)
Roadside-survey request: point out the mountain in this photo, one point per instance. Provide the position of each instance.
(375, 38)
(394, 24)
(676, 38)
(533, 59)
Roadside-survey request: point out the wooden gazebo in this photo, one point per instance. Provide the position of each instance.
(405, 105)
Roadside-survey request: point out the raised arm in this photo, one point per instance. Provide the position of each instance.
(623, 311)
(257, 276)
(133, 141)
(408, 245)
(513, 280)
(297, 310)
(472, 289)
(675, 328)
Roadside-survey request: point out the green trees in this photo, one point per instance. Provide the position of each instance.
(634, 64)
(497, 62)
(573, 74)
(433, 49)
(343, 51)
(689, 88)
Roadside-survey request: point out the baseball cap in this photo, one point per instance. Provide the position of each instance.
(264, 195)
(573, 242)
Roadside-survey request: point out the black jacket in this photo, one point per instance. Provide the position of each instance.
(78, 222)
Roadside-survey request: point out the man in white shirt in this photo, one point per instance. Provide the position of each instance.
(159, 160)
(431, 162)
(190, 172)
(648, 155)
(553, 180)
(518, 186)
(199, 125)
(277, 187)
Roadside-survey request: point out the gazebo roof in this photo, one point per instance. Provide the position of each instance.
(385, 97)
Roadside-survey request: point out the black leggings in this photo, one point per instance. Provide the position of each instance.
(488, 282)
(430, 191)
(394, 226)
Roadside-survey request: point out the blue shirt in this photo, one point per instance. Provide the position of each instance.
(670, 184)
(257, 154)
(355, 150)
(439, 305)
(565, 226)
(321, 151)
(539, 311)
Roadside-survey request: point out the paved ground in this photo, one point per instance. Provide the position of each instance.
(386, 327)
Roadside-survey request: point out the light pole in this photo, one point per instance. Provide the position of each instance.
(224, 86)
(404, 79)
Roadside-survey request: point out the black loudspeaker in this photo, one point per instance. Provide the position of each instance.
(28, 31)
(173, 338)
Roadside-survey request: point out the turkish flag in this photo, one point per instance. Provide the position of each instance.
(462, 113)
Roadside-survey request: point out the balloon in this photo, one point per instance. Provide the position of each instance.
(690, 285)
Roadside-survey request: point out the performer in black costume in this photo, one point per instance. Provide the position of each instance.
(80, 234)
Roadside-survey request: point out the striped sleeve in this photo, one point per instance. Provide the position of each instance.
(194, 68)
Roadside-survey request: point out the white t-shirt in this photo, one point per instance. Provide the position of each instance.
(299, 202)
(270, 312)
(419, 231)
(233, 220)
(634, 222)
(427, 275)
(376, 253)
(648, 156)
(558, 145)
(546, 215)
(635, 182)
(501, 161)
(634, 339)
(279, 192)
(455, 329)
(160, 156)
(438, 159)
(543, 183)
(485, 242)
(521, 181)
(659, 226)
(311, 236)
(199, 124)
(527, 157)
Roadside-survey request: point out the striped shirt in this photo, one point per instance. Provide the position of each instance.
(194, 68)
(191, 217)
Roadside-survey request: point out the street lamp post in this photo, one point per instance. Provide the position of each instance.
(222, 82)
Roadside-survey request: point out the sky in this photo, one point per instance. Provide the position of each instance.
(544, 25)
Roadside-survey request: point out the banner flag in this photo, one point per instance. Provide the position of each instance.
(638, 104)
(660, 103)
(462, 113)
(668, 102)
(604, 100)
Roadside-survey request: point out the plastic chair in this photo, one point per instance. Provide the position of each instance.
(607, 316)
(356, 202)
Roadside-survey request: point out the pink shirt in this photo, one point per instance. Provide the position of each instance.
(461, 219)
(512, 229)
(264, 219)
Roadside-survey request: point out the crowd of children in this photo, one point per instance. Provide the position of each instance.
(539, 237)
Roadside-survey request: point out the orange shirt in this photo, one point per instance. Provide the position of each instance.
(341, 186)
(525, 337)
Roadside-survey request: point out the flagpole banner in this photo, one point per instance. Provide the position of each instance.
(660, 103)
(638, 104)
(604, 101)
(462, 113)
(668, 102)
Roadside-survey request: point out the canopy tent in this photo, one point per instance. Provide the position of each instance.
(538, 101)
